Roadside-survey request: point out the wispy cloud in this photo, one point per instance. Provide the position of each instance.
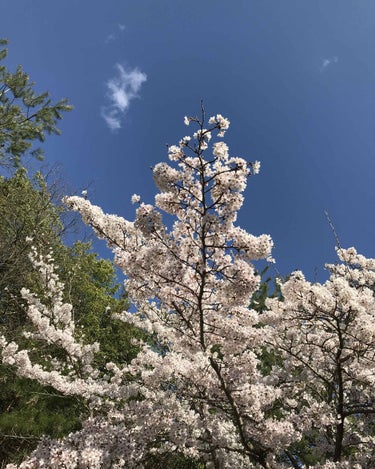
(110, 38)
(327, 62)
(120, 91)
(113, 36)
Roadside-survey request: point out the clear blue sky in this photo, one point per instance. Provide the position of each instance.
(296, 78)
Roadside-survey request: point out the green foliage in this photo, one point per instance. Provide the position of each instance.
(91, 288)
(26, 211)
(25, 116)
(269, 288)
(28, 410)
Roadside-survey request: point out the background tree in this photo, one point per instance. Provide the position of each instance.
(25, 116)
(28, 410)
(26, 211)
(30, 210)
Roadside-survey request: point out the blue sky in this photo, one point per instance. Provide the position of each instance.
(296, 78)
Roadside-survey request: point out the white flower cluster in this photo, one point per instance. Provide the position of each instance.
(221, 122)
(53, 323)
(135, 199)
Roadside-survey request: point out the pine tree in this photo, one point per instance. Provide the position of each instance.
(25, 116)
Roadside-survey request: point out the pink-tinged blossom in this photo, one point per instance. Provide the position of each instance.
(221, 123)
(135, 199)
(327, 333)
(256, 167)
(185, 141)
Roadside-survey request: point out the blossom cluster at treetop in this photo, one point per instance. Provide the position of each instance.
(287, 386)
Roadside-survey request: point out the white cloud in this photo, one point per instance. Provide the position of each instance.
(327, 62)
(121, 90)
(111, 119)
(113, 36)
(110, 38)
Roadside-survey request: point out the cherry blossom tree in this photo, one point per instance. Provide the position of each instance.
(222, 383)
(324, 337)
